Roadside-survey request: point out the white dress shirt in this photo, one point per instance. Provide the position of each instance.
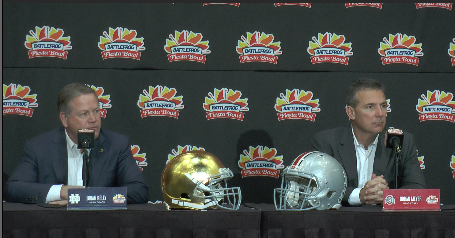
(75, 162)
(365, 160)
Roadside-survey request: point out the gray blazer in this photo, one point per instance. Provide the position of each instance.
(339, 143)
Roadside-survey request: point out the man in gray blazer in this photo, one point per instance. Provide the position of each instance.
(361, 148)
(52, 163)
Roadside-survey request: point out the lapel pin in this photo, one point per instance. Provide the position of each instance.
(101, 151)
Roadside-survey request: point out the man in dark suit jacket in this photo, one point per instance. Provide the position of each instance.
(353, 147)
(43, 173)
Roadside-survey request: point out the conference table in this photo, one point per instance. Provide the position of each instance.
(251, 220)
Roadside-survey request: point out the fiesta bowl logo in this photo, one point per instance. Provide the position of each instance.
(212, 3)
(376, 5)
(121, 43)
(451, 51)
(16, 100)
(160, 101)
(329, 48)
(260, 161)
(186, 46)
(400, 49)
(182, 149)
(258, 47)
(434, 4)
(103, 100)
(452, 165)
(119, 198)
(225, 103)
(141, 160)
(432, 199)
(297, 104)
(47, 42)
(436, 105)
(277, 4)
(421, 161)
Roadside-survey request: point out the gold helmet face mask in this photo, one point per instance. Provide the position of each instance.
(197, 180)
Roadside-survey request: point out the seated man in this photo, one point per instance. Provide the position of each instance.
(361, 147)
(52, 163)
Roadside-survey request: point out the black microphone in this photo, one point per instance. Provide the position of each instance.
(394, 138)
(85, 140)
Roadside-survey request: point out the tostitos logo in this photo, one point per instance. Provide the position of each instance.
(140, 158)
(17, 100)
(104, 100)
(258, 47)
(297, 104)
(47, 42)
(121, 43)
(225, 103)
(186, 46)
(434, 4)
(436, 105)
(277, 4)
(160, 101)
(400, 48)
(451, 51)
(355, 4)
(329, 48)
(182, 149)
(260, 161)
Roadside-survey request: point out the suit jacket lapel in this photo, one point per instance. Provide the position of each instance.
(60, 157)
(348, 155)
(97, 159)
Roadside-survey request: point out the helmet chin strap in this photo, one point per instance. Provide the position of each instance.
(193, 205)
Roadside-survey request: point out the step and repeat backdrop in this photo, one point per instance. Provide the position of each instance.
(243, 81)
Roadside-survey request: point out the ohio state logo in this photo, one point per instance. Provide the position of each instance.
(121, 43)
(329, 48)
(160, 101)
(47, 42)
(17, 100)
(225, 3)
(103, 100)
(436, 105)
(258, 47)
(375, 5)
(452, 165)
(225, 103)
(140, 158)
(434, 4)
(297, 104)
(186, 46)
(260, 161)
(400, 49)
(182, 149)
(277, 4)
(451, 51)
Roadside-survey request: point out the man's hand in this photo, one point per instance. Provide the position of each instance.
(371, 193)
(64, 191)
(60, 202)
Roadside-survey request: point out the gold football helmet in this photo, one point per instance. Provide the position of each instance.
(197, 180)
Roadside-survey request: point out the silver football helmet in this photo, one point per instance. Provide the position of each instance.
(314, 180)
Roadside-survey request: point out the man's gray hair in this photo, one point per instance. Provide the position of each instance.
(358, 85)
(68, 93)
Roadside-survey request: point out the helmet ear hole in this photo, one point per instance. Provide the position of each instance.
(330, 194)
(185, 195)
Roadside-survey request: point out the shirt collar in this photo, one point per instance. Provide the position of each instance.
(356, 142)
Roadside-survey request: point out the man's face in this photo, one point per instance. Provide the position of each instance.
(84, 114)
(369, 116)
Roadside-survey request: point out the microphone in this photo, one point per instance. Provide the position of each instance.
(394, 138)
(85, 140)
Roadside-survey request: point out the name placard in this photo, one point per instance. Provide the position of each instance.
(410, 200)
(97, 198)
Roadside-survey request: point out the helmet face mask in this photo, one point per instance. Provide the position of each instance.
(314, 180)
(198, 180)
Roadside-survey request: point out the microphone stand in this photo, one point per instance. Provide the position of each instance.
(397, 153)
(85, 170)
